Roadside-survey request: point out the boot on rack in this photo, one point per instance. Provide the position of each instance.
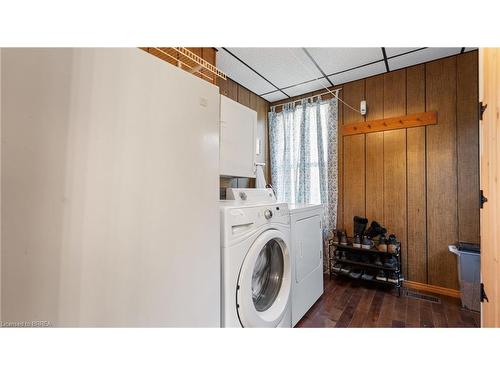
(360, 225)
(375, 230)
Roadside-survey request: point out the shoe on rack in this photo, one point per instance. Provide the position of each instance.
(343, 238)
(355, 273)
(337, 267)
(381, 276)
(377, 261)
(345, 269)
(335, 238)
(359, 225)
(392, 244)
(367, 243)
(393, 277)
(390, 262)
(368, 275)
(375, 230)
(382, 243)
(357, 241)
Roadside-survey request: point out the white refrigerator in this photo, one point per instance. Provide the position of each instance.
(110, 173)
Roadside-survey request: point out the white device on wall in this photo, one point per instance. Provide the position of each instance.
(256, 262)
(307, 257)
(238, 144)
(109, 238)
(362, 107)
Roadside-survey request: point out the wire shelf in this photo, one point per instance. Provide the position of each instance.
(189, 61)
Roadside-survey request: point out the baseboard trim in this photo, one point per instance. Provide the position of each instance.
(432, 289)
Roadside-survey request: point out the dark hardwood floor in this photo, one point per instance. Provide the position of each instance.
(351, 303)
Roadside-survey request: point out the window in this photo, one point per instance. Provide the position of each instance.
(299, 152)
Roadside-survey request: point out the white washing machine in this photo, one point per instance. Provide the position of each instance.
(307, 257)
(256, 262)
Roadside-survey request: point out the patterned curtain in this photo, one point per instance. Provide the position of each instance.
(303, 145)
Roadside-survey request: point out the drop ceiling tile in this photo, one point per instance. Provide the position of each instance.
(307, 87)
(421, 56)
(390, 51)
(282, 66)
(335, 60)
(274, 96)
(358, 73)
(242, 74)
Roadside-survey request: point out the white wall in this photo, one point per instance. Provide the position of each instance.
(109, 190)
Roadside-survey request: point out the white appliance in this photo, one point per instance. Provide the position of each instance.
(256, 264)
(238, 132)
(110, 198)
(307, 257)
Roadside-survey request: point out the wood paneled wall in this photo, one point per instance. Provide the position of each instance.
(421, 183)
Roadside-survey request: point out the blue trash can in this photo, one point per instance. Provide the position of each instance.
(469, 274)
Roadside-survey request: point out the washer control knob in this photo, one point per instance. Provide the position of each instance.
(268, 214)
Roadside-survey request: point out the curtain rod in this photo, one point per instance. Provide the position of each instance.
(336, 91)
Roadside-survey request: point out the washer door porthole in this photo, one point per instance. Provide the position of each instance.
(264, 282)
(267, 275)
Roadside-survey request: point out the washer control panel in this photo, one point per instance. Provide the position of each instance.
(238, 221)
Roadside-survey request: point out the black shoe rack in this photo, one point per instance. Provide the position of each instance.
(353, 262)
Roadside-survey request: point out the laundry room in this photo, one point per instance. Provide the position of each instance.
(377, 137)
(346, 188)
(212, 182)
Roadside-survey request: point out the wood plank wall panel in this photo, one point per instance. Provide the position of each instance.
(262, 120)
(395, 188)
(416, 193)
(353, 158)
(375, 177)
(354, 179)
(395, 93)
(468, 147)
(228, 88)
(353, 93)
(340, 164)
(208, 54)
(244, 96)
(374, 95)
(442, 223)
(395, 161)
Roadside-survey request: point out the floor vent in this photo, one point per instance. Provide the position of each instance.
(417, 295)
